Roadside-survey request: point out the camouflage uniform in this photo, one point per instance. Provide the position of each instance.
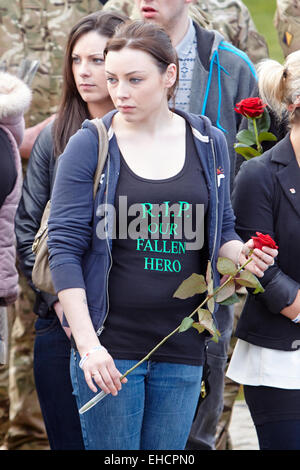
(287, 23)
(36, 29)
(21, 424)
(233, 20)
(230, 17)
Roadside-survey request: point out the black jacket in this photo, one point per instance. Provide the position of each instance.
(266, 198)
(36, 191)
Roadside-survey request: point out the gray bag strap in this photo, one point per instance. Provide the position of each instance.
(103, 151)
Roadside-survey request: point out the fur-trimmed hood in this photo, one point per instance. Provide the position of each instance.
(15, 96)
(15, 99)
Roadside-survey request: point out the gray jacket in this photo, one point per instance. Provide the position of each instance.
(223, 75)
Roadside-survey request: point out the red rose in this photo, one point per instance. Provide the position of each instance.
(263, 240)
(250, 107)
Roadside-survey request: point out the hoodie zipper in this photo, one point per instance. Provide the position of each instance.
(217, 197)
(99, 331)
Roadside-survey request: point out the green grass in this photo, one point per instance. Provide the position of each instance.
(240, 395)
(262, 12)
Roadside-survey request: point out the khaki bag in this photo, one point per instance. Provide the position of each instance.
(41, 275)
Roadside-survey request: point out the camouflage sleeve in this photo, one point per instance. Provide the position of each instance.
(38, 30)
(233, 20)
(127, 7)
(3, 335)
(247, 38)
(201, 16)
(287, 23)
(11, 45)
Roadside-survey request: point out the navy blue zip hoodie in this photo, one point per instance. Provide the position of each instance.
(78, 257)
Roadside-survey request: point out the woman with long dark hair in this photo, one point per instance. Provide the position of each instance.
(84, 96)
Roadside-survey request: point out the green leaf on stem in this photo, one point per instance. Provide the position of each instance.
(186, 324)
(226, 266)
(194, 284)
(246, 151)
(233, 299)
(216, 335)
(263, 122)
(266, 136)
(198, 327)
(259, 288)
(210, 288)
(206, 320)
(246, 137)
(226, 292)
(248, 279)
(211, 304)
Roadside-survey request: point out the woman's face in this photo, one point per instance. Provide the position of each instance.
(136, 85)
(88, 68)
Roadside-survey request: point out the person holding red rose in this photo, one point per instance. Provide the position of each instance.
(266, 202)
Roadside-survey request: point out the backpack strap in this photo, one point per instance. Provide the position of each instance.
(103, 151)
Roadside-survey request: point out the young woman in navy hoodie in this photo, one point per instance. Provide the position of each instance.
(117, 261)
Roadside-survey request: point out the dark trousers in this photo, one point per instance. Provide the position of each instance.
(53, 384)
(276, 415)
(203, 432)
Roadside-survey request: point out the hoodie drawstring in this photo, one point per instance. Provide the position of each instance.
(226, 46)
(215, 60)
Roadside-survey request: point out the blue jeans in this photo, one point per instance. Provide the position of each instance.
(52, 351)
(153, 411)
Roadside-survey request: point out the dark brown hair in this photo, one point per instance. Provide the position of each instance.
(147, 37)
(73, 109)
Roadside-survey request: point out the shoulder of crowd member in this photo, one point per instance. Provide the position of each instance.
(34, 30)
(43, 144)
(286, 22)
(241, 69)
(15, 100)
(128, 7)
(233, 20)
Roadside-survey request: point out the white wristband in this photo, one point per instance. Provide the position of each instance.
(297, 319)
(87, 354)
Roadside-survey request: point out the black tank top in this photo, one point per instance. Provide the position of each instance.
(147, 269)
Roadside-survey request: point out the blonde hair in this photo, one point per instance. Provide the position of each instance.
(279, 85)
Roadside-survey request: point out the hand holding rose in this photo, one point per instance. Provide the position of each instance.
(263, 250)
